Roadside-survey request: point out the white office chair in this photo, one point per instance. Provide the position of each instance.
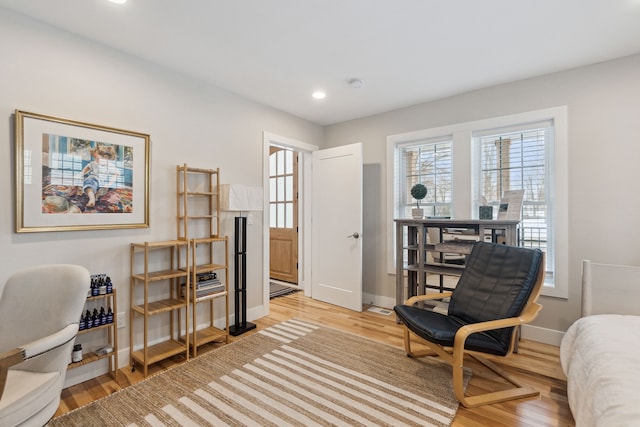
(40, 309)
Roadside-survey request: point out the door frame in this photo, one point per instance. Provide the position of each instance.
(304, 211)
(283, 232)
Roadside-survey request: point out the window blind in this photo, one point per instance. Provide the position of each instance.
(514, 160)
(431, 164)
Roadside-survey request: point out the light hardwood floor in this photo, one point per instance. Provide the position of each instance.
(535, 364)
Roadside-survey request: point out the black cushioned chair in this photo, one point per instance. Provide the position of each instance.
(496, 293)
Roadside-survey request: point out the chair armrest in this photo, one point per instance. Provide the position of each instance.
(426, 297)
(50, 342)
(527, 316)
(33, 349)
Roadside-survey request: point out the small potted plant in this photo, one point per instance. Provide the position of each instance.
(418, 192)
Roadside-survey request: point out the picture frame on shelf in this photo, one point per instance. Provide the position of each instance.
(511, 204)
(485, 212)
(72, 175)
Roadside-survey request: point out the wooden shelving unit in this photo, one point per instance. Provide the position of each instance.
(110, 330)
(174, 254)
(198, 222)
(198, 202)
(418, 255)
(209, 333)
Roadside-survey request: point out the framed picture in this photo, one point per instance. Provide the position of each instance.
(73, 176)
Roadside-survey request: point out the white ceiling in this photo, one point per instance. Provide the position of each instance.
(277, 52)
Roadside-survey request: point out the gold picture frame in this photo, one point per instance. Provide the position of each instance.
(72, 175)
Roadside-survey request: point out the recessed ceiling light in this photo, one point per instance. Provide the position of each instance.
(118, 1)
(319, 94)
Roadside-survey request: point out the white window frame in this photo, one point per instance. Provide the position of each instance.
(465, 168)
(401, 190)
(549, 201)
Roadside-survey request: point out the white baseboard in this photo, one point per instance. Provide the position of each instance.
(543, 335)
(378, 300)
(253, 313)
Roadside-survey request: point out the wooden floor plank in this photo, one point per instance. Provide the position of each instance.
(535, 364)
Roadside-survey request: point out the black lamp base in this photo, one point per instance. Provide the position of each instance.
(240, 289)
(236, 330)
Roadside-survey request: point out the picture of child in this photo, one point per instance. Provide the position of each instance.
(100, 173)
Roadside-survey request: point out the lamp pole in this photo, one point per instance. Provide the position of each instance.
(240, 283)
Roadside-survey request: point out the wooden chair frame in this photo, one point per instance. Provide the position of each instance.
(454, 356)
(7, 360)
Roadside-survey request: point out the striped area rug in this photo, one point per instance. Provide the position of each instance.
(292, 374)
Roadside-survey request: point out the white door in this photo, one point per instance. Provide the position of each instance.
(336, 269)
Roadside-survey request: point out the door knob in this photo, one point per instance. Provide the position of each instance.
(354, 235)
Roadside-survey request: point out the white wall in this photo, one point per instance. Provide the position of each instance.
(604, 147)
(51, 72)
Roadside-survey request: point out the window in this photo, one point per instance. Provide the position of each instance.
(429, 163)
(483, 159)
(282, 181)
(518, 158)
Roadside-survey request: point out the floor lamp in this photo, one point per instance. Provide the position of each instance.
(240, 198)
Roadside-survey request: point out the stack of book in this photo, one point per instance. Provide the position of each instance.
(206, 284)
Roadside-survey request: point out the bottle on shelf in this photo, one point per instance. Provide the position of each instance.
(88, 320)
(76, 355)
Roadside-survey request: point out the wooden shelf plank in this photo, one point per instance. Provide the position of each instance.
(208, 239)
(159, 244)
(160, 275)
(158, 352)
(203, 268)
(191, 169)
(160, 306)
(210, 296)
(97, 297)
(87, 358)
(198, 217)
(207, 335)
(96, 328)
(198, 193)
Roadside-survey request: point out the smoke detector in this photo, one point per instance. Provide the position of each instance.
(356, 83)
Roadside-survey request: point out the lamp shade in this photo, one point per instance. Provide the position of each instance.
(238, 197)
